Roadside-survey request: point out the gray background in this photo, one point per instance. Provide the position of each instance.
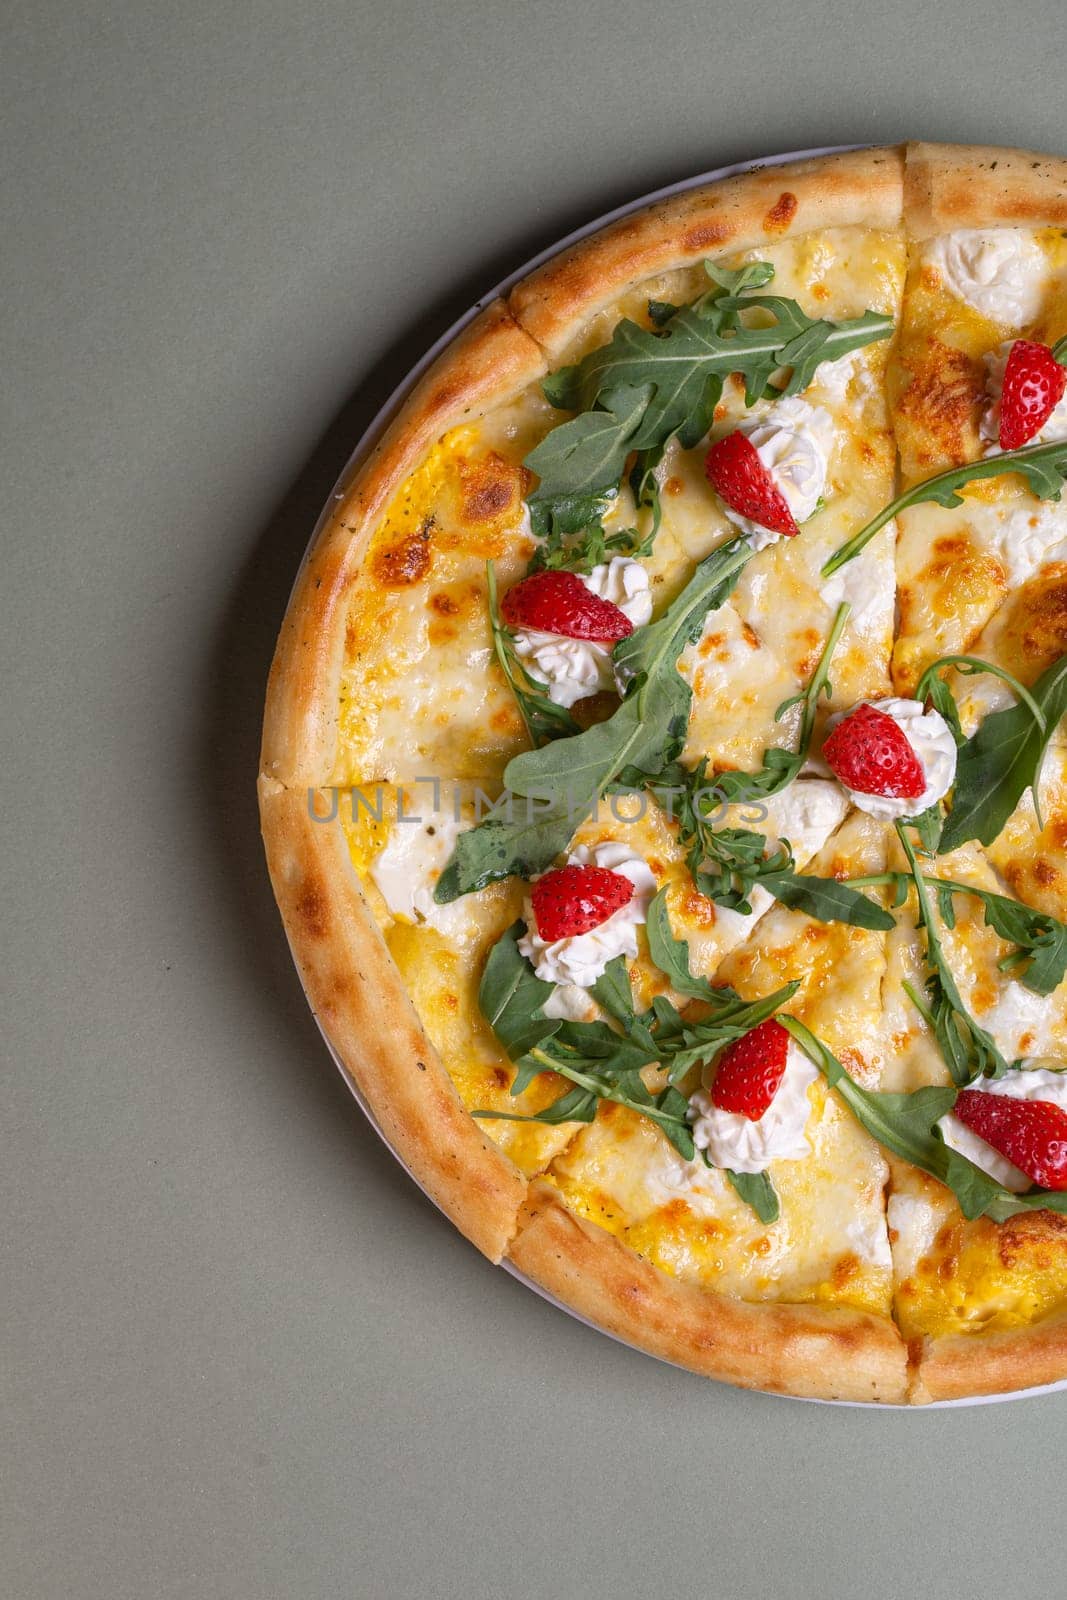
(244, 1358)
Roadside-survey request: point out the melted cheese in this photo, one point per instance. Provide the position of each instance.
(956, 1277)
(955, 565)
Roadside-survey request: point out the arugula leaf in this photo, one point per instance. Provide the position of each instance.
(613, 992)
(518, 838)
(1044, 466)
(600, 1062)
(1040, 938)
(512, 997)
(906, 1125)
(969, 1051)
(587, 455)
(647, 386)
(579, 546)
(671, 955)
(757, 1191)
(543, 718)
(936, 690)
(568, 776)
(1003, 759)
(827, 900)
(1041, 941)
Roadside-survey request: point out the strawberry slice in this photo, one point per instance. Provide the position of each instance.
(1033, 387)
(739, 477)
(571, 900)
(1032, 1134)
(870, 754)
(750, 1071)
(559, 602)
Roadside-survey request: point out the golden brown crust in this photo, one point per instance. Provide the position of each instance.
(489, 362)
(949, 186)
(994, 1363)
(812, 1351)
(860, 188)
(362, 1004)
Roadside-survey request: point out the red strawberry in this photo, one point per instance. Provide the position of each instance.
(1033, 387)
(750, 1071)
(572, 900)
(870, 754)
(1032, 1134)
(559, 602)
(739, 477)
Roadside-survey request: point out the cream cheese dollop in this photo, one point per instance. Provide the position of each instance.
(1051, 431)
(741, 1145)
(1028, 1083)
(931, 738)
(573, 669)
(999, 272)
(794, 441)
(580, 959)
(407, 869)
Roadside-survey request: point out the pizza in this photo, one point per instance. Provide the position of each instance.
(664, 778)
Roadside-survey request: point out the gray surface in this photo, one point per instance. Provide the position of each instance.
(244, 1358)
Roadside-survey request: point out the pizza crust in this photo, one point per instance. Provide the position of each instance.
(948, 186)
(816, 1352)
(964, 1365)
(364, 1009)
(862, 188)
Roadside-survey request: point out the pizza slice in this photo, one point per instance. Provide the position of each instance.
(981, 306)
(966, 1287)
(828, 1243)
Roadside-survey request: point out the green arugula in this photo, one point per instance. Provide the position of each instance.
(1044, 466)
(567, 777)
(543, 718)
(969, 1051)
(1003, 758)
(605, 1062)
(727, 863)
(1039, 960)
(757, 1191)
(647, 386)
(906, 1125)
(577, 540)
(933, 688)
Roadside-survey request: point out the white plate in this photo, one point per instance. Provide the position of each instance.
(356, 459)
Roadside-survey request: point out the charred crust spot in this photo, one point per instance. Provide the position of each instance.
(502, 1076)
(444, 604)
(312, 907)
(406, 561)
(781, 213)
